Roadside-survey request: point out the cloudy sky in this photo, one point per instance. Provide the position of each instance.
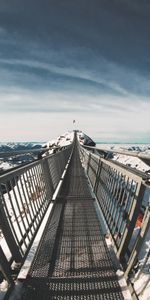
(86, 60)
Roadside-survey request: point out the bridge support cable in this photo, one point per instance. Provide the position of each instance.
(72, 260)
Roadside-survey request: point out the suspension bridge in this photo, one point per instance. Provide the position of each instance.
(72, 259)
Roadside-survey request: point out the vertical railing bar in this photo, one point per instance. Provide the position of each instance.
(124, 210)
(125, 213)
(30, 194)
(20, 213)
(48, 180)
(125, 224)
(110, 200)
(15, 213)
(50, 168)
(101, 200)
(97, 176)
(27, 203)
(120, 204)
(110, 180)
(21, 199)
(106, 193)
(42, 198)
(9, 231)
(5, 268)
(51, 185)
(138, 242)
(115, 207)
(38, 202)
(30, 203)
(88, 163)
(109, 197)
(103, 193)
(33, 192)
(112, 197)
(12, 206)
(133, 213)
(38, 183)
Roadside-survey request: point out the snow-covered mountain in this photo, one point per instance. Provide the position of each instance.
(66, 139)
(61, 141)
(13, 161)
(9, 147)
(85, 139)
(131, 161)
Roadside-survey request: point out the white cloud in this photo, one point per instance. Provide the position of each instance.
(122, 124)
(108, 78)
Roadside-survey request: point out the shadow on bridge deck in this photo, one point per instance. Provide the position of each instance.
(72, 260)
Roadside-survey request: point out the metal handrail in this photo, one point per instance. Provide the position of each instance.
(120, 195)
(105, 151)
(25, 195)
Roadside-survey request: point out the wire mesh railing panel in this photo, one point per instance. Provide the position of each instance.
(25, 195)
(79, 266)
(23, 204)
(124, 202)
(57, 164)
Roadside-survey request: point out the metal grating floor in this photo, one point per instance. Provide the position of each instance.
(72, 261)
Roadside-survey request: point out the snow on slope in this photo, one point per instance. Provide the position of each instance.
(12, 146)
(66, 139)
(133, 162)
(61, 141)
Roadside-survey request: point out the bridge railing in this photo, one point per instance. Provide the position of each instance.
(124, 200)
(25, 195)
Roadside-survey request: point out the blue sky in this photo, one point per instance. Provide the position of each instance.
(83, 60)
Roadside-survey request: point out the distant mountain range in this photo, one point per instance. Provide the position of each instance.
(14, 161)
(7, 147)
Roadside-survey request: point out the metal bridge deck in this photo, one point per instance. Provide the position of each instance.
(72, 260)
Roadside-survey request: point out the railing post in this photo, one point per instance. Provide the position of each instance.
(139, 241)
(97, 176)
(88, 163)
(8, 234)
(131, 222)
(5, 268)
(48, 179)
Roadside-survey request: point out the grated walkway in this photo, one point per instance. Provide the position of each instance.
(72, 260)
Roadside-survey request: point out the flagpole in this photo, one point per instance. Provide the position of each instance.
(74, 122)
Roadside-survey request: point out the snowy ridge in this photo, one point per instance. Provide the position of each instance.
(60, 142)
(66, 139)
(12, 146)
(127, 160)
(133, 162)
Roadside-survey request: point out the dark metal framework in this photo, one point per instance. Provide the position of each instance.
(72, 260)
(25, 195)
(120, 194)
